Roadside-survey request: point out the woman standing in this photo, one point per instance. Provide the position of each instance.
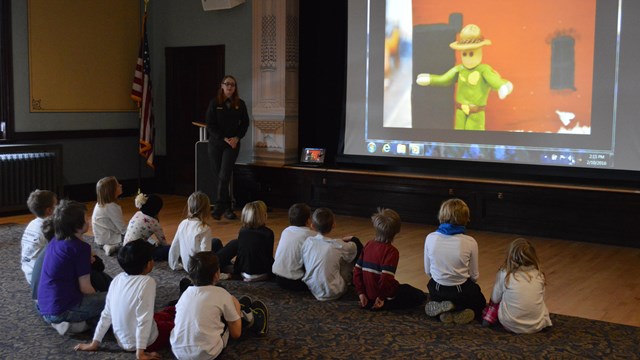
(227, 123)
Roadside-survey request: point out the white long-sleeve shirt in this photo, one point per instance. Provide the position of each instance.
(108, 224)
(328, 266)
(288, 260)
(191, 237)
(451, 259)
(522, 308)
(32, 244)
(129, 309)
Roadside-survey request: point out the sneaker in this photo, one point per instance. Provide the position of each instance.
(78, 327)
(260, 318)
(435, 308)
(110, 249)
(245, 303)
(62, 327)
(459, 317)
(225, 276)
(230, 215)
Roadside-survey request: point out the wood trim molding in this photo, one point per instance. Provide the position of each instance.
(76, 134)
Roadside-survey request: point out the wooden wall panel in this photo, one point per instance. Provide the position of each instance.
(82, 54)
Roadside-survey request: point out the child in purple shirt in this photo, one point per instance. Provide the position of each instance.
(65, 293)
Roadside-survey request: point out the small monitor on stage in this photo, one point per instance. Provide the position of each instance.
(312, 156)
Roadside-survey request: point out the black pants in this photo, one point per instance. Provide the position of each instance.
(359, 246)
(222, 158)
(295, 285)
(406, 297)
(465, 296)
(224, 253)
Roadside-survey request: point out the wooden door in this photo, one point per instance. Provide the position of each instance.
(193, 76)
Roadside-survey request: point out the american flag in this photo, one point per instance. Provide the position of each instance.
(141, 93)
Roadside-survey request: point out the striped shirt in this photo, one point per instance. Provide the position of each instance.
(375, 271)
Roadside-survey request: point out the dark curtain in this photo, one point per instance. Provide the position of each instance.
(6, 72)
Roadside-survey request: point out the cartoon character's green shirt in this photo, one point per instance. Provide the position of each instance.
(473, 84)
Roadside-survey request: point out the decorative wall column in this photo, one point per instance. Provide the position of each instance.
(275, 81)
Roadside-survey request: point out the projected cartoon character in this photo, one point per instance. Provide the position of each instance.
(475, 80)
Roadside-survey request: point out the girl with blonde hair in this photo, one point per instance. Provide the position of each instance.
(193, 234)
(255, 243)
(107, 220)
(517, 301)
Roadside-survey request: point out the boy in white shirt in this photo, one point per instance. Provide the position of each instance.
(129, 306)
(288, 266)
(451, 262)
(41, 204)
(206, 315)
(328, 262)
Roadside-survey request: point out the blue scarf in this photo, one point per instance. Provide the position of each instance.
(450, 229)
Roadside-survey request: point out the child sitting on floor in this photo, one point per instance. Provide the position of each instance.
(145, 223)
(451, 262)
(206, 315)
(65, 292)
(129, 306)
(41, 204)
(374, 274)
(287, 266)
(328, 262)
(517, 300)
(255, 244)
(107, 220)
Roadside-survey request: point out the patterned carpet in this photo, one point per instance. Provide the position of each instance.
(303, 328)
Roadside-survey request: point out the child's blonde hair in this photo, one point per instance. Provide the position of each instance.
(455, 212)
(198, 207)
(387, 224)
(106, 190)
(521, 254)
(254, 215)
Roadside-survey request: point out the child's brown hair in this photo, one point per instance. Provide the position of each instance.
(198, 207)
(521, 254)
(41, 200)
(322, 220)
(299, 214)
(106, 189)
(387, 224)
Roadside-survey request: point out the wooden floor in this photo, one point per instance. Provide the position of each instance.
(592, 281)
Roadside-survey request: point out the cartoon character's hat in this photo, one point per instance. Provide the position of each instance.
(470, 38)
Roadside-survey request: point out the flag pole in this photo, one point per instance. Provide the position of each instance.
(141, 93)
(144, 19)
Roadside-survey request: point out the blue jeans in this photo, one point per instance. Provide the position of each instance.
(89, 308)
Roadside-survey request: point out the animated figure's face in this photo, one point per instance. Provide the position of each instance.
(471, 58)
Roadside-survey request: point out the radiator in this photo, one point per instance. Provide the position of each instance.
(21, 173)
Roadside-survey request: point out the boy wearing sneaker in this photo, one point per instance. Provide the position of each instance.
(451, 261)
(207, 315)
(129, 306)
